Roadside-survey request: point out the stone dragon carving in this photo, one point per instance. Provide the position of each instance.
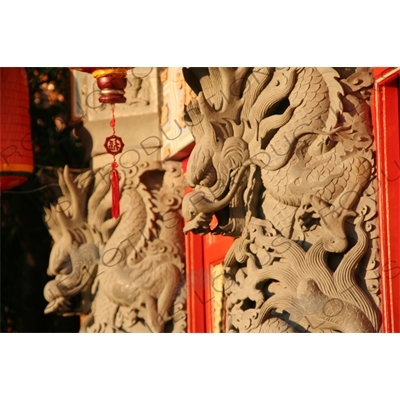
(284, 159)
(125, 274)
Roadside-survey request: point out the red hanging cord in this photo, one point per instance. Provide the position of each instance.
(114, 146)
(114, 174)
(115, 191)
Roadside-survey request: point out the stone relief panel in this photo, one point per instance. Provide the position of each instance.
(284, 158)
(176, 134)
(125, 274)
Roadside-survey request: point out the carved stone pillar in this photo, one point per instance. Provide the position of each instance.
(125, 274)
(284, 158)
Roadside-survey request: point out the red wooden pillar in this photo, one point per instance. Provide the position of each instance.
(385, 112)
(194, 277)
(202, 253)
(195, 283)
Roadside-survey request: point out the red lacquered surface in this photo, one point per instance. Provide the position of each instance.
(385, 112)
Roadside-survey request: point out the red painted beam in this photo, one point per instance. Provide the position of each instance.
(385, 113)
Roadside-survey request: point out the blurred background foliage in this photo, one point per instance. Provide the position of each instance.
(25, 241)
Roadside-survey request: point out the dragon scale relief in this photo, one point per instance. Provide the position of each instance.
(284, 158)
(125, 274)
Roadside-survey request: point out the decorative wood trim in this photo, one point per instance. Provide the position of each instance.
(385, 111)
(215, 249)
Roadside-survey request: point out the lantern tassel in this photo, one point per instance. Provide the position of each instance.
(115, 191)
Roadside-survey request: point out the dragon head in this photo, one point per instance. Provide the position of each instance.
(216, 160)
(226, 119)
(73, 258)
(216, 170)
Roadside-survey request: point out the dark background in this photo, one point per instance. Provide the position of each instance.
(25, 241)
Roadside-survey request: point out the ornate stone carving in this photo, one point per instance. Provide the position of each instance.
(126, 274)
(284, 158)
(218, 301)
(176, 135)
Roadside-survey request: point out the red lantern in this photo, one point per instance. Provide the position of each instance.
(111, 82)
(16, 162)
